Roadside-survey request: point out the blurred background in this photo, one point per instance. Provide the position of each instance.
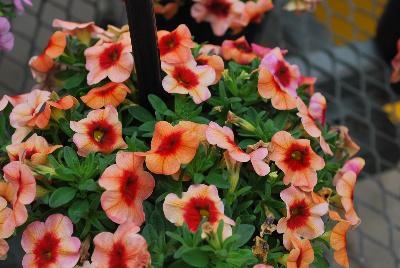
(346, 44)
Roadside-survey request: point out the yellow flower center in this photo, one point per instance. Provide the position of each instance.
(98, 135)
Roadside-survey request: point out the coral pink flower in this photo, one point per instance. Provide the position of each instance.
(7, 222)
(302, 254)
(199, 202)
(239, 50)
(175, 47)
(296, 159)
(35, 110)
(219, 13)
(23, 183)
(308, 81)
(345, 189)
(113, 60)
(13, 100)
(338, 242)
(189, 79)
(49, 244)
(100, 131)
(260, 51)
(256, 9)
(347, 142)
(262, 265)
(224, 138)
(83, 31)
(303, 216)
(35, 149)
(214, 61)
(124, 248)
(257, 159)
(127, 186)
(285, 75)
(312, 115)
(168, 11)
(209, 49)
(4, 248)
(109, 94)
(171, 146)
(395, 78)
(55, 48)
(355, 164)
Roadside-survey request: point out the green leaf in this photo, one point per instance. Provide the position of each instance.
(320, 262)
(61, 196)
(196, 257)
(75, 80)
(71, 158)
(217, 179)
(246, 232)
(78, 210)
(280, 119)
(88, 185)
(141, 114)
(158, 104)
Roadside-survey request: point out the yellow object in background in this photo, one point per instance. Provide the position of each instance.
(350, 20)
(393, 111)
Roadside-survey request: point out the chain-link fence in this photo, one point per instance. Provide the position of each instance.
(334, 44)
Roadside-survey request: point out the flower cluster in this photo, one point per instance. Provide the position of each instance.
(241, 170)
(8, 10)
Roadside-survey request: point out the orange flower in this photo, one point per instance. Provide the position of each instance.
(4, 248)
(50, 244)
(338, 242)
(168, 10)
(345, 188)
(189, 79)
(23, 188)
(109, 94)
(355, 164)
(224, 138)
(278, 80)
(100, 131)
(256, 9)
(302, 254)
(55, 48)
(110, 59)
(7, 222)
(175, 47)
(127, 186)
(296, 159)
(303, 216)
(171, 146)
(308, 81)
(35, 150)
(124, 248)
(199, 202)
(311, 116)
(83, 31)
(35, 111)
(347, 142)
(239, 50)
(214, 61)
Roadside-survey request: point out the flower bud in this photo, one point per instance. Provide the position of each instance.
(240, 122)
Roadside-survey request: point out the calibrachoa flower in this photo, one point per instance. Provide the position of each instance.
(219, 13)
(55, 48)
(6, 37)
(7, 222)
(23, 184)
(338, 242)
(109, 94)
(239, 50)
(127, 186)
(214, 61)
(171, 146)
(308, 81)
(50, 244)
(19, 4)
(301, 5)
(83, 31)
(189, 79)
(285, 76)
(35, 150)
(255, 9)
(303, 216)
(175, 47)
(347, 142)
(35, 111)
(302, 254)
(312, 116)
(4, 248)
(13, 100)
(345, 188)
(395, 78)
(100, 131)
(224, 138)
(258, 154)
(168, 10)
(296, 159)
(113, 60)
(124, 248)
(199, 202)
(355, 164)
(262, 266)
